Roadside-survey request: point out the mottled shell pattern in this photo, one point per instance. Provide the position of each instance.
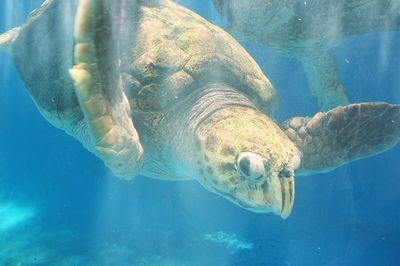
(176, 52)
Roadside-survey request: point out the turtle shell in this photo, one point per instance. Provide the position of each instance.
(298, 27)
(175, 52)
(167, 52)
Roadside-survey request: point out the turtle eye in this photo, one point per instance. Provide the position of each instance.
(250, 165)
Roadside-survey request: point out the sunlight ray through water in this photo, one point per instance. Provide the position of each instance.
(215, 172)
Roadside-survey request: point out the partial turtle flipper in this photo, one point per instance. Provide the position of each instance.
(7, 39)
(328, 140)
(100, 95)
(324, 80)
(366, 16)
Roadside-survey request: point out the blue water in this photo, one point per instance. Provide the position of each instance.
(59, 205)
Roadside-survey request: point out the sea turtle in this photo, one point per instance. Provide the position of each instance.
(154, 89)
(308, 30)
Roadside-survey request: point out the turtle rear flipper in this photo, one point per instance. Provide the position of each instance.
(323, 79)
(99, 92)
(328, 140)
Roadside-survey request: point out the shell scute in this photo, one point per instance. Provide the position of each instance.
(213, 67)
(179, 52)
(160, 61)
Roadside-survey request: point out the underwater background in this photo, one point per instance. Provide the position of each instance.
(59, 205)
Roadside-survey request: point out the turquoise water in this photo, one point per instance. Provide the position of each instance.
(59, 205)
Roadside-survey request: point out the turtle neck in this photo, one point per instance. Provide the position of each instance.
(212, 98)
(185, 119)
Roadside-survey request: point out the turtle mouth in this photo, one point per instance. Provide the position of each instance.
(282, 207)
(287, 187)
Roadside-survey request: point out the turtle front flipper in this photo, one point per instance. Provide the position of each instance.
(7, 39)
(323, 79)
(328, 140)
(99, 92)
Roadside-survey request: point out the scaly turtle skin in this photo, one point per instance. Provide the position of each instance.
(152, 88)
(307, 30)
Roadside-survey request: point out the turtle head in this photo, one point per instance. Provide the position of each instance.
(245, 157)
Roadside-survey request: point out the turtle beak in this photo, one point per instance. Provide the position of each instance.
(287, 187)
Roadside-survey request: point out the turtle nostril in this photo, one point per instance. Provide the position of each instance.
(285, 173)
